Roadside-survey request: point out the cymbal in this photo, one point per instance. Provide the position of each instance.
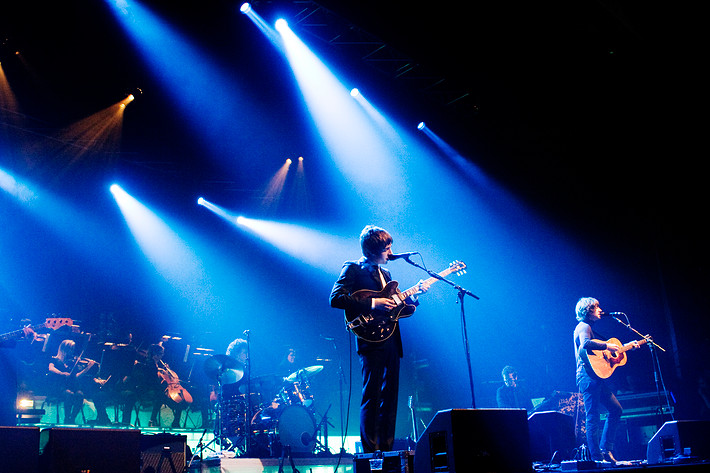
(303, 373)
(231, 376)
(216, 365)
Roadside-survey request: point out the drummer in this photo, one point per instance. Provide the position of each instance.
(233, 377)
(289, 364)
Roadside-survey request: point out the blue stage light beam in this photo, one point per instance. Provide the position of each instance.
(20, 191)
(62, 217)
(368, 161)
(207, 96)
(217, 210)
(260, 23)
(315, 248)
(474, 173)
(169, 255)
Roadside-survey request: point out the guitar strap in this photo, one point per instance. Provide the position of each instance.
(382, 277)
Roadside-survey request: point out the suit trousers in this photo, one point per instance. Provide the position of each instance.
(380, 389)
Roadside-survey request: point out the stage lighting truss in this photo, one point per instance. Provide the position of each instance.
(325, 25)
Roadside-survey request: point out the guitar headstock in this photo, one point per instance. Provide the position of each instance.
(458, 267)
(56, 322)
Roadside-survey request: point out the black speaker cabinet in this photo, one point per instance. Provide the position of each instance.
(550, 432)
(163, 453)
(66, 450)
(466, 440)
(679, 437)
(19, 449)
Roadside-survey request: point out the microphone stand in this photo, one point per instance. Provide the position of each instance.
(462, 292)
(341, 385)
(657, 375)
(247, 422)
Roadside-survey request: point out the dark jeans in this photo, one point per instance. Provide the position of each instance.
(380, 388)
(597, 394)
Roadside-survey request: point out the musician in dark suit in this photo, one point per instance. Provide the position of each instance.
(595, 393)
(379, 360)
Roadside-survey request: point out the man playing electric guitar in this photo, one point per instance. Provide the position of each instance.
(594, 390)
(379, 359)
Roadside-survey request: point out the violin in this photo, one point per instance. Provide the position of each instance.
(86, 361)
(174, 390)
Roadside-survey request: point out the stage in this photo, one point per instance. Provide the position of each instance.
(120, 450)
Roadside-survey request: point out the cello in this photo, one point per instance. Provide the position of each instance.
(173, 390)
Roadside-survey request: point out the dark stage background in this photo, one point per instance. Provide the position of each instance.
(580, 120)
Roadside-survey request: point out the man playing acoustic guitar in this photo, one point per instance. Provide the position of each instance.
(593, 388)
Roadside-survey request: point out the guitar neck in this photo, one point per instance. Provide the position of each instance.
(630, 345)
(413, 290)
(19, 333)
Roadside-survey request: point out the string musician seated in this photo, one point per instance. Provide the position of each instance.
(147, 382)
(69, 378)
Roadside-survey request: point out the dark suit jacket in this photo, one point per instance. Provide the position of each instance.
(354, 276)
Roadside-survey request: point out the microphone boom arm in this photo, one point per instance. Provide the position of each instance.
(441, 278)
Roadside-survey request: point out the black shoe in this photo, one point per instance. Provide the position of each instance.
(609, 457)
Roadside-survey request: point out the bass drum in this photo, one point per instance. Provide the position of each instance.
(295, 429)
(290, 426)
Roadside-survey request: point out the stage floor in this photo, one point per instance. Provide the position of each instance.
(271, 465)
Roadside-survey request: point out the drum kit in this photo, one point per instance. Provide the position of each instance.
(259, 425)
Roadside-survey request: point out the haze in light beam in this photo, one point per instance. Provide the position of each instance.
(171, 257)
(315, 248)
(368, 161)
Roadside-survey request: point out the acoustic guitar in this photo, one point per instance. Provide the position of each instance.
(378, 325)
(601, 363)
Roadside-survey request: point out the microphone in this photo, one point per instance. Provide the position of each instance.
(395, 256)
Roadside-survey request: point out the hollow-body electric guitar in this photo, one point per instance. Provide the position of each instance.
(378, 325)
(601, 363)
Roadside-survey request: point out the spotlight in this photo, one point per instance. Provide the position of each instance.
(129, 98)
(200, 201)
(288, 161)
(245, 8)
(421, 126)
(114, 188)
(281, 25)
(240, 220)
(354, 93)
(300, 158)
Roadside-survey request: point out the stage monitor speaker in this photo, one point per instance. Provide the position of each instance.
(19, 449)
(690, 438)
(465, 440)
(67, 450)
(163, 453)
(550, 432)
